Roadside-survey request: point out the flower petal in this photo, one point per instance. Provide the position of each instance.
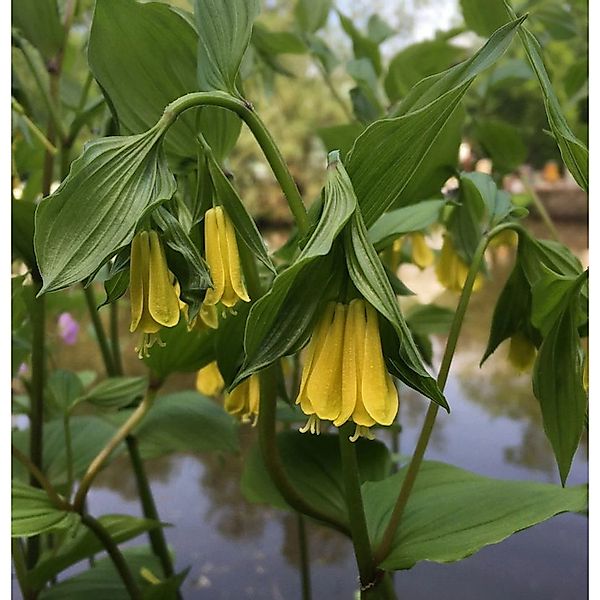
(233, 259)
(213, 256)
(136, 279)
(163, 302)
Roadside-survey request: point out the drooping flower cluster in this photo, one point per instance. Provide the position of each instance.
(451, 269)
(223, 260)
(209, 380)
(421, 254)
(344, 376)
(153, 293)
(243, 401)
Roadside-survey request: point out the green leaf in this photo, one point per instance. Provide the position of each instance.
(280, 321)
(33, 513)
(64, 388)
(483, 21)
(276, 42)
(401, 221)
(229, 343)
(427, 319)
(22, 222)
(481, 188)
(313, 466)
(363, 46)
(378, 30)
(89, 434)
(120, 528)
(311, 15)
(452, 513)
(503, 142)
(556, 19)
(184, 260)
(380, 167)
(576, 77)
(143, 55)
(116, 286)
(369, 277)
(512, 311)
(322, 51)
(116, 392)
(39, 22)
(185, 422)
(417, 61)
(224, 30)
(558, 384)
(194, 350)
(340, 137)
(573, 151)
(102, 582)
(243, 223)
(76, 229)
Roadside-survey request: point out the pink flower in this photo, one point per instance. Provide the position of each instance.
(68, 328)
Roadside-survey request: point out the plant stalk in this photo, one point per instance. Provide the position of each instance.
(136, 416)
(103, 343)
(304, 558)
(115, 554)
(246, 112)
(18, 557)
(356, 511)
(272, 459)
(114, 338)
(385, 546)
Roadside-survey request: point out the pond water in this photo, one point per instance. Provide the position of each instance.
(241, 550)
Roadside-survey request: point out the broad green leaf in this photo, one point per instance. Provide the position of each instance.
(64, 388)
(558, 384)
(95, 211)
(144, 56)
(503, 142)
(185, 261)
(120, 528)
(229, 343)
(280, 321)
(313, 466)
(102, 582)
(89, 434)
(427, 319)
(417, 61)
(116, 286)
(483, 20)
(549, 297)
(378, 30)
(512, 312)
(401, 221)
(511, 71)
(311, 15)
(362, 46)
(322, 51)
(379, 166)
(33, 513)
(224, 30)
(340, 137)
(243, 223)
(452, 513)
(365, 106)
(573, 151)
(116, 392)
(556, 19)
(276, 42)
(193, 350)
(186, 422)
(39, 22)
(22, 220)
(480, 187)
(368, 275)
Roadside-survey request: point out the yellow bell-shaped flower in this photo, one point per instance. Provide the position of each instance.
(209, 380)
(521, 352)
(154, 298)
(244, 400)
(344, 375)
(223, 260)
(451, 269)
(422, 254)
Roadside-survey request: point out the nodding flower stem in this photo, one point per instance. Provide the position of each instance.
(417, 458)
(245, 111)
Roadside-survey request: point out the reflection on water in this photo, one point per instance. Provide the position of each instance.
(241, 550)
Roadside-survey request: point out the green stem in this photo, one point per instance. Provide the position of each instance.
(304, 559)
(541, 208)
(334, 91)
(68, 452)
(356, 511)
(115, 554)
(417, 458)
(114, 338)
(36, 413)
(272, 459)
(37, 132)
(92, 471)
(107, 356)
(21, 570)
(157, 538)
(245, 111)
